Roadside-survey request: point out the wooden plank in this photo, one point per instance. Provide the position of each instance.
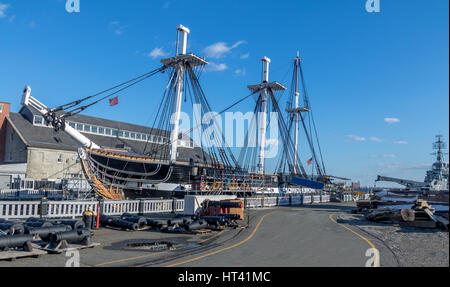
(14, 254)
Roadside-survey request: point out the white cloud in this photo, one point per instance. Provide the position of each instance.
(213, 67)
(356, 138)
(389, 156)
(375, 139)
(391, 120)
(157, 52)
(220, 49)
(400, 142)
(116, 28)
(240, 72)
(389, 165)
(401, 166)
(245, 56)
(3, 8)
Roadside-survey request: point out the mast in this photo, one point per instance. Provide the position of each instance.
(439, 145)
(262, 117)
(296, 111)
(179, 95)
(179, 63)
(297, 94)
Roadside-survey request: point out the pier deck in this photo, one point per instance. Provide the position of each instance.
(316, 235)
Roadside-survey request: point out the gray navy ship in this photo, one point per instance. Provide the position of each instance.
(436, 178)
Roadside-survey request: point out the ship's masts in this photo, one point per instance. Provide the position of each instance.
(179, 95)
(263, 114)
(297, 62)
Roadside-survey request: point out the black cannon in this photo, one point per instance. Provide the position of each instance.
(117, 222)
(75, 224)
(14, 241)
(140, 220)
(12, 228)
(181, 221)
(73, 236)
(33, 224)
(154, 223)
(215, 220)
(200, 224)
(45, 232)
(230, 216)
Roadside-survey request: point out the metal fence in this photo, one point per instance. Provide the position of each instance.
(73, 209)
(286, 200)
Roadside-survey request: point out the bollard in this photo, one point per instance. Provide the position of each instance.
(88, 218)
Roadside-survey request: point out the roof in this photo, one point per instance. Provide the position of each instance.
(79, 118)
(44, 137)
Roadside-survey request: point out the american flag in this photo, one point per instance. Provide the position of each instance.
(114, 101)
(310, 161)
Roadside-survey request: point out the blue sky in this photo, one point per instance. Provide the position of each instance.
(360, 67)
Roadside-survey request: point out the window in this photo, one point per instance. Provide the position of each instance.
(79, 127)
(138, 136)
(120, 133)
(87, 128)
(1, 108)
(108, 132)
(38, 120)
(115, 132)
(94, 129)
(72, 124)
(127, 134)
(102, 131)
(133, 135)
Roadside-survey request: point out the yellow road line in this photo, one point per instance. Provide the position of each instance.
(223, 249)
(130, 259)
(377, 260)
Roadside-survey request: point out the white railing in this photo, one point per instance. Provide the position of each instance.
(159, 206)
(307, 199)
(121, 207)
(179, 205)
(19, 209)
(69, 209)
(72, 209)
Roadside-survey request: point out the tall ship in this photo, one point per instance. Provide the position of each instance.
(116, 173)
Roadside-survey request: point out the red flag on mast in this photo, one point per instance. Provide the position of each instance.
(310, 161)
(114, 101)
